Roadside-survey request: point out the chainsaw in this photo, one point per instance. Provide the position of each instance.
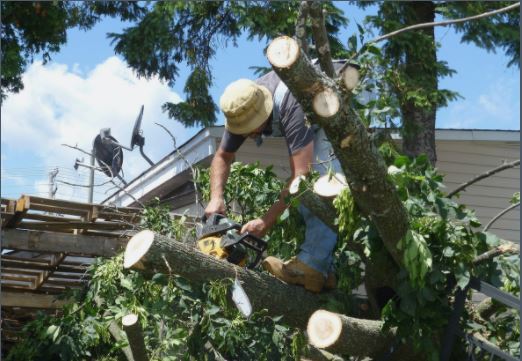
(220, 237)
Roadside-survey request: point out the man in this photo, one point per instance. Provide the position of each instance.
(266, 107)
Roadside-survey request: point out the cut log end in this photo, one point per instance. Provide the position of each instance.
(283, 52)
(294, 186)
(330, 185)
(324, 328)
(129, 320)
(326, 103)
(137, 247)
(350, 77)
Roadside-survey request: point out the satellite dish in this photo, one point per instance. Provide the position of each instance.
(108, 153)
(137, 138)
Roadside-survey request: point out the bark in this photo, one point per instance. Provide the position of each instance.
(322, 45)
(364, 168)
(165, 255)
(300, 26)
(153, 253)
(418, 136)
(132, 328)
(341, 334)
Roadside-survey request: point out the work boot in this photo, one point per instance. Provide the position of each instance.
(331, 282)
(295, 272)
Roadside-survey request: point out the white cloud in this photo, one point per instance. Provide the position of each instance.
(62, 105)
(498, 107)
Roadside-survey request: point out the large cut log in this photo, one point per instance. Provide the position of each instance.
(153, 253)
(328, 105)
(341, 334)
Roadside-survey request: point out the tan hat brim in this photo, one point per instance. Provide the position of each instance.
(256, 119)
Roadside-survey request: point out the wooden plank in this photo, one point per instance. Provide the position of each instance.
(39, 266)
(47, 218)
(31, 300)
(22, 205)
(26, 271)
(81, 206)
(53, 242)
(70, 226)
(58, 210)
(65, 282)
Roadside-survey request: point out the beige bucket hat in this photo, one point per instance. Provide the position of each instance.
(246, 106)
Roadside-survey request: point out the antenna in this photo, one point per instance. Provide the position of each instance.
(136, 137)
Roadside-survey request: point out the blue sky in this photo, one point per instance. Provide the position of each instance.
(86, 87)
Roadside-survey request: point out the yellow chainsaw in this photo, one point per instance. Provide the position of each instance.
(219, 236)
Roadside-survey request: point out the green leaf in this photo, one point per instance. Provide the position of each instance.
(285, 215)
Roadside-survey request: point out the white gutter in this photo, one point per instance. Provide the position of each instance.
(197, 149)
(473, 135)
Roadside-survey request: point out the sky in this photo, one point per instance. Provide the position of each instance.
(86, 87)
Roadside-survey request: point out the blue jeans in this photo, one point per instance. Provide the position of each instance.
(317, 248)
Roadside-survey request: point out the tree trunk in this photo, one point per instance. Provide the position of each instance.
(153, 253)
(363, 166)
(418, 135)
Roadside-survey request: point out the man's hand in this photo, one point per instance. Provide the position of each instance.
(216, 205)
(256, 227)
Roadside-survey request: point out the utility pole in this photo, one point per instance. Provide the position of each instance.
(91, 177)
(52, 183)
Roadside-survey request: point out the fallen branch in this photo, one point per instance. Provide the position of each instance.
(134, 333)
(152, 253)
(487, 174)
(494, 219)
(116, 331)
(507, 247)
(329, 107)
(341, 334)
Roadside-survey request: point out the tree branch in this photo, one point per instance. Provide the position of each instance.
(192, 170)
(328, 105)
(433, 24)
(444, 23)
(322, 45)
(513, 206)
(300, 26)
(507, 247)
(487, 174)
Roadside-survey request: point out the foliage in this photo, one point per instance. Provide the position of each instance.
(438, 250)
(180, 322)
(39, 28)
(249, 193)
(157, 218)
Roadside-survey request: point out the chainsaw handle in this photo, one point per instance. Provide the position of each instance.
(259, 246)
(213, 219)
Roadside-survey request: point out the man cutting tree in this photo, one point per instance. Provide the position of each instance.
(266, 107)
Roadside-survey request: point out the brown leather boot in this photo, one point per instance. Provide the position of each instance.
(331, 282)
(295, 272)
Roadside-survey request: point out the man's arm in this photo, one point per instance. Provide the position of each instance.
(300, 164)
(219, 171)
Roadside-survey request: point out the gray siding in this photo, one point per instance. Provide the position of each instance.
(458, 160)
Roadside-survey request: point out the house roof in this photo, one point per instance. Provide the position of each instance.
(173, 169)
